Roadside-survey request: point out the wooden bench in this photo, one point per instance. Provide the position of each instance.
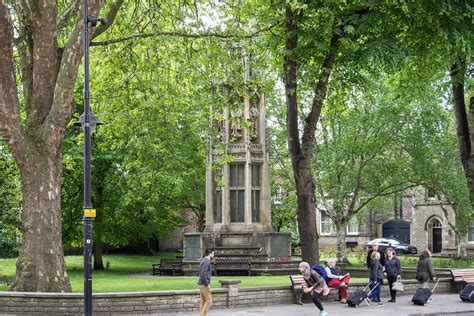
(233, 265)
(464, 276)
(174, 266)
(297, 284)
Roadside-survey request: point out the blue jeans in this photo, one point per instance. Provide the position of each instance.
(376, 293)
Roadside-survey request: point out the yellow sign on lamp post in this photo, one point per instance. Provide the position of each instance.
(89, 212)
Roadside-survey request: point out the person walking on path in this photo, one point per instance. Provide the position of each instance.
(424, 270)
(204, 282)
(337, 281)
(376, 276)
(393, 271)
(375, 248)
(316, 286)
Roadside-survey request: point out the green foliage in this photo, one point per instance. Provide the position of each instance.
(149, 157)
(431, 149)
(356, 155)
(384, 122)
(10, 202)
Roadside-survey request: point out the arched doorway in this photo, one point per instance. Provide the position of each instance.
(435, 235)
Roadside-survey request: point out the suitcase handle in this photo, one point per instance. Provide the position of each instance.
(373, 288)
(435, 286)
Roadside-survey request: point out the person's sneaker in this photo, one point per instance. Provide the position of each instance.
(380, 303)
(343, 301)
(391, 301)
(429, 300)
(323, 313)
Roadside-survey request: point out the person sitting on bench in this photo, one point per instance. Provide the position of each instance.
(337, 281)
(424, 270)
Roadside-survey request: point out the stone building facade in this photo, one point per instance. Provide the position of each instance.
(418, 219)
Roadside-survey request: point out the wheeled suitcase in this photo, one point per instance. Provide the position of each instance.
(359, 296)
(422, 295)
(467, 293)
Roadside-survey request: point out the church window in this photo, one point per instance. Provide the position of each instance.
(237, 193)
(470, 232)
(256, 184)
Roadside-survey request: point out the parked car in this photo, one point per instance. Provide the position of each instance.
(399, 246)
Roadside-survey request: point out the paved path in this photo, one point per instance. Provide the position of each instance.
(443, 304)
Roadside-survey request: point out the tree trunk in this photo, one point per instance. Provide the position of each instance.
(97, 251)
(201, 218)
(462, 241)
(48, 75)
(307, 215)
(341, 240)
(40, 266)
(471, 157)
(301, 151)
(465, 134)
(464, 143)
(301, 159)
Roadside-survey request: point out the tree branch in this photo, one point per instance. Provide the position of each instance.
(319, 96)
(384, 192)
(71, 10)
(10, 124)
(290, 66)
(24, 43)
(180, 34)
(63, 104)
(110, 17)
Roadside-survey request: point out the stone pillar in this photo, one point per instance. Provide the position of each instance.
(210, 193)
(379, 230)
(232, 287)
(248, 174)
(265, 193)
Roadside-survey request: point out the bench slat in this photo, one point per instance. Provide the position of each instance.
(463, 275)
(167, 265)
(298, 280)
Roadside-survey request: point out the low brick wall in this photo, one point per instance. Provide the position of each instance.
(229, 296)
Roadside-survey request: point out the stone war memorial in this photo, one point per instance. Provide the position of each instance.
(238, 200)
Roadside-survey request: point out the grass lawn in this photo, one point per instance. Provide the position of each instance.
(121, 276)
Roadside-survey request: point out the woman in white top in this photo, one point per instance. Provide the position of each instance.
(337, 281)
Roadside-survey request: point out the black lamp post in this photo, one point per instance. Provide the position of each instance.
(88, 121)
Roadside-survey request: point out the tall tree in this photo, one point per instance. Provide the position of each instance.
(357, 158)
(30, 37)
(316, 36)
